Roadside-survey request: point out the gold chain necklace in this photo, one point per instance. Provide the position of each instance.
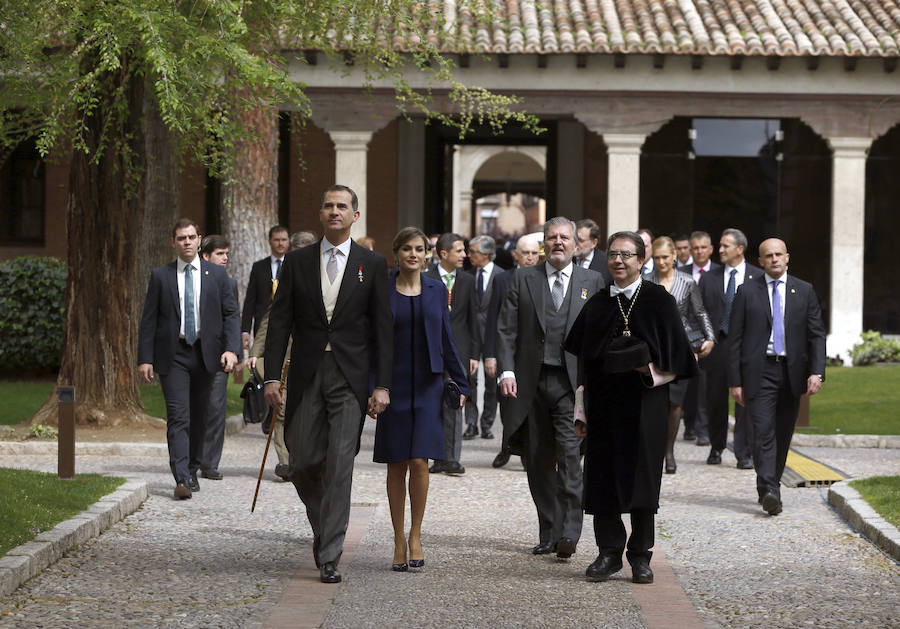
(626, 331)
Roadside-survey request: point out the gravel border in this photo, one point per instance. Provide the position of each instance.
(25, 561)
(850, 504)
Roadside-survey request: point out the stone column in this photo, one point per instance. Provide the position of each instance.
(624, 168)
(848, 221)
(350, 153)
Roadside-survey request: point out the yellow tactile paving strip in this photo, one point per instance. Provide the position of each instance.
(811, 471)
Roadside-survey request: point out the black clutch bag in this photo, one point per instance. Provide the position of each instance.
(451, 394)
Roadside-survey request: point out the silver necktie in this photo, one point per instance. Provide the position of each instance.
(557, 292)
(332, 267)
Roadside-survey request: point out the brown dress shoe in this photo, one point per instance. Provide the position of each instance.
(182, 491)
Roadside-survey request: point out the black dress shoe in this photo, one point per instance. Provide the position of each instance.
(714, 458)
(182, 491)
(453, 468)
(194, 484)
(641, 572)
(702, 441)
(212, 474)
(437, 467)
(771, 504)
(471, 433)
(544, 548)
(603, 567)
(282, 471)
(746, 464)
(565, 547)
(487, 434)
(501, 459)
(416, 563)
(328, 573)
(400, 567)
(689, 435)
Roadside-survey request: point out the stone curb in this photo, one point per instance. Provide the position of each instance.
(25, 561)
(233, 426)
(864, 518)
(839, 441)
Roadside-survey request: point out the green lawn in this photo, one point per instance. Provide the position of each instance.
(33, 502)
(22, 398)
(857, 400)
(883, 494)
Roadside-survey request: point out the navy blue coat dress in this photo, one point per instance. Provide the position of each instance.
(411, 427)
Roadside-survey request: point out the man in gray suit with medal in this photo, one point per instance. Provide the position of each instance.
(334, 299)
(541, 305)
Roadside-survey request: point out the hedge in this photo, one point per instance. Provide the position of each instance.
(32, 315)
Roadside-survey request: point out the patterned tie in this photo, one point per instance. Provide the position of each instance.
(729, 299)
(448, 280)
(190, 321)
(557, 292)
(777, 320)
(277, 269)
(702, 271)
(480, 291)
(332, 267)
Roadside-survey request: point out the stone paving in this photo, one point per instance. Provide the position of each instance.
(207, 562)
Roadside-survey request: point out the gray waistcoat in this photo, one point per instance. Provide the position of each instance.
(555, 322)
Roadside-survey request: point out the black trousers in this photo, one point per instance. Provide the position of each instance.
(716, 368)
(186, 389)
(489, 410)
(609, 531)
(773, 411)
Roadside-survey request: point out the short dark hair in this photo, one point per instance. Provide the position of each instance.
(681, 237)
(633, 237)
(591, 225)
(212, 242)
(354, 200)
(277, 228)
(181, 223)
(445, 241)
(405, 235)
(644, 230)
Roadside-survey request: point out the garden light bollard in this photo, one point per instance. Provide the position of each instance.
(66, 441)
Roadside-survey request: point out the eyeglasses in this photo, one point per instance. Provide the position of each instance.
(626, 255)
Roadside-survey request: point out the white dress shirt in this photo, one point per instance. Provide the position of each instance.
(485, 271)
(195, 275)
(565, 273)
(274, 264)
(695, 270)
(586, 260)
(343, 251)
(770, 347)
(738, 277)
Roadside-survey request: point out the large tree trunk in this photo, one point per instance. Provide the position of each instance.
(250, 196)
(105, 216)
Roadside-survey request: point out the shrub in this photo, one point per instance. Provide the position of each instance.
(32, 315)
(875, 349)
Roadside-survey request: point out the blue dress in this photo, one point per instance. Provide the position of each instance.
(411, 427)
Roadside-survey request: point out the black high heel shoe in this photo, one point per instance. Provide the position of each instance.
(416, 563)
(400, 567)
(671, 467)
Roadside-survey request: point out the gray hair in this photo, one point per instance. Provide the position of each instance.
(302, 239)
(560, 220)
(526, 240)
(700, 234)
(738, 236)
(484, 244)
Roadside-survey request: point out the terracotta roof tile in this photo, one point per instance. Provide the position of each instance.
(680, 27)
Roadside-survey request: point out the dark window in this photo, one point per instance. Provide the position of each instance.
(22, 174)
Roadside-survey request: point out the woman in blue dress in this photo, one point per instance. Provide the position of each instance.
(410, 430)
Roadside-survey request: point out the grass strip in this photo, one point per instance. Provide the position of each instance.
(33, 502)
(883, 494)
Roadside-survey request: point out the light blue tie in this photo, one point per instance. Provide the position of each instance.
(190, 320)
(777, 320)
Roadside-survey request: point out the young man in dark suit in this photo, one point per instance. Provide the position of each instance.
(777, 353)
(334, 297)
(588, 253)
(190, 328)
(542, 303)
(719, 288)
(259, 287)
(466, 336)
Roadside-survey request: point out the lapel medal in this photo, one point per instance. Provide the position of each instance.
(359, 274)
(584, 293)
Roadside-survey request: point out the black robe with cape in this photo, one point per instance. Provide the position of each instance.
(626, 419)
